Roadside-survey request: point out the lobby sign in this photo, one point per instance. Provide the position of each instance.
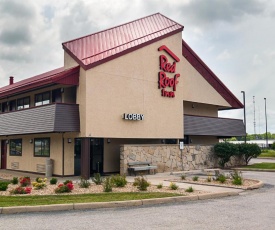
(167, 69)
(133, 116)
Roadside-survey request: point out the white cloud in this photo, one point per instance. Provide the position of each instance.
(224, 55)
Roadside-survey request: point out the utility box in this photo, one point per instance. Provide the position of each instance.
(49, 167)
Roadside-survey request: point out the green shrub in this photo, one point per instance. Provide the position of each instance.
(84, 183)
(39, 183)
(237, 178)
(53, 180)
(224, 151)
(119, 181)
(273, 146)
(107, 184)
(183, 176)
(141, 183)
(68, 182)
(249, 151)
(221, 178)
(195, 178)
(25, 181)
(173, 186)
(4, 185)
(160, 185)
(190, 189)
(21, 190)
(97, 179)
(64, 188)
(14, 180)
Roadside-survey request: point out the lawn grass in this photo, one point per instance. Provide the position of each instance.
(268, 153)
(263, 165)
(29, 200)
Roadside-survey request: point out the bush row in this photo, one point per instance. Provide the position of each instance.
(224, 151)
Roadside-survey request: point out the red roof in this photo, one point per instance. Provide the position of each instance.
(57, 76)
(97, 48)
(209, 76)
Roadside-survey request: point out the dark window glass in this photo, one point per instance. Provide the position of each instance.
(23, 103)
(5, 107)
(12, 105)
(42, 147)
(42, 99)
(16, 147)
(57, 95)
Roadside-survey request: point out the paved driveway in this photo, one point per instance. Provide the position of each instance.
(251, 210)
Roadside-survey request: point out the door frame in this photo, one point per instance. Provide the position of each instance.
(3, 154)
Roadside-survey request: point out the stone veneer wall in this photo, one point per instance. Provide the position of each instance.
(168, 157)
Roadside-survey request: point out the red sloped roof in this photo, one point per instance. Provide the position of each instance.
(209, 76)
(106, 45)
(57, 76)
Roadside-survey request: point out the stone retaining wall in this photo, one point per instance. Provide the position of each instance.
(169, 158)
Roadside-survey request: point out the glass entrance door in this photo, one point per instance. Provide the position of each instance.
(96, 155)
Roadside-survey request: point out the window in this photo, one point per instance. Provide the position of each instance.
(5, 107)
(23, 103)
(12, 105)
(42, 99)
(57, 95)
(42, 147)
(16, 147)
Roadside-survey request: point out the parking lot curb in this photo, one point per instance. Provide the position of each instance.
(115, 204)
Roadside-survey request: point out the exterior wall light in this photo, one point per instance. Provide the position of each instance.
(7, 142)
(108, 140)
(31, 141)
(69, 140)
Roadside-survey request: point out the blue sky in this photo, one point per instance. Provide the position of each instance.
(234, 38)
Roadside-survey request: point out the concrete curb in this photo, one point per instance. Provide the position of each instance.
(255, 186)
(115, 204)
(256, 170)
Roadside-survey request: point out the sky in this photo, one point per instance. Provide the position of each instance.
(235, 38)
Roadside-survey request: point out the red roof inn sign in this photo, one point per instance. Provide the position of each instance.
(167, 69)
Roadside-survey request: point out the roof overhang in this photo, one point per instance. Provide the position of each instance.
(57, 76)
(210, 77)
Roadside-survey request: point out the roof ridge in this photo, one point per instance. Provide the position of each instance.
(116, 27)
(125, 43)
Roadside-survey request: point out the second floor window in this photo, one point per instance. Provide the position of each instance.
(12, 105)
(42, 99)
(23, 103)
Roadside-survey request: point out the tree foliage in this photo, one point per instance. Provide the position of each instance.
(224, 151)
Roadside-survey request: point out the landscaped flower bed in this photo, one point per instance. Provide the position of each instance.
(74, 187)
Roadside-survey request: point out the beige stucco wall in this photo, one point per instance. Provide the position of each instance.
(69, 62)
(197, 89)
(81, 100)
(27, 162)
(199, 109)
(129, 84)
